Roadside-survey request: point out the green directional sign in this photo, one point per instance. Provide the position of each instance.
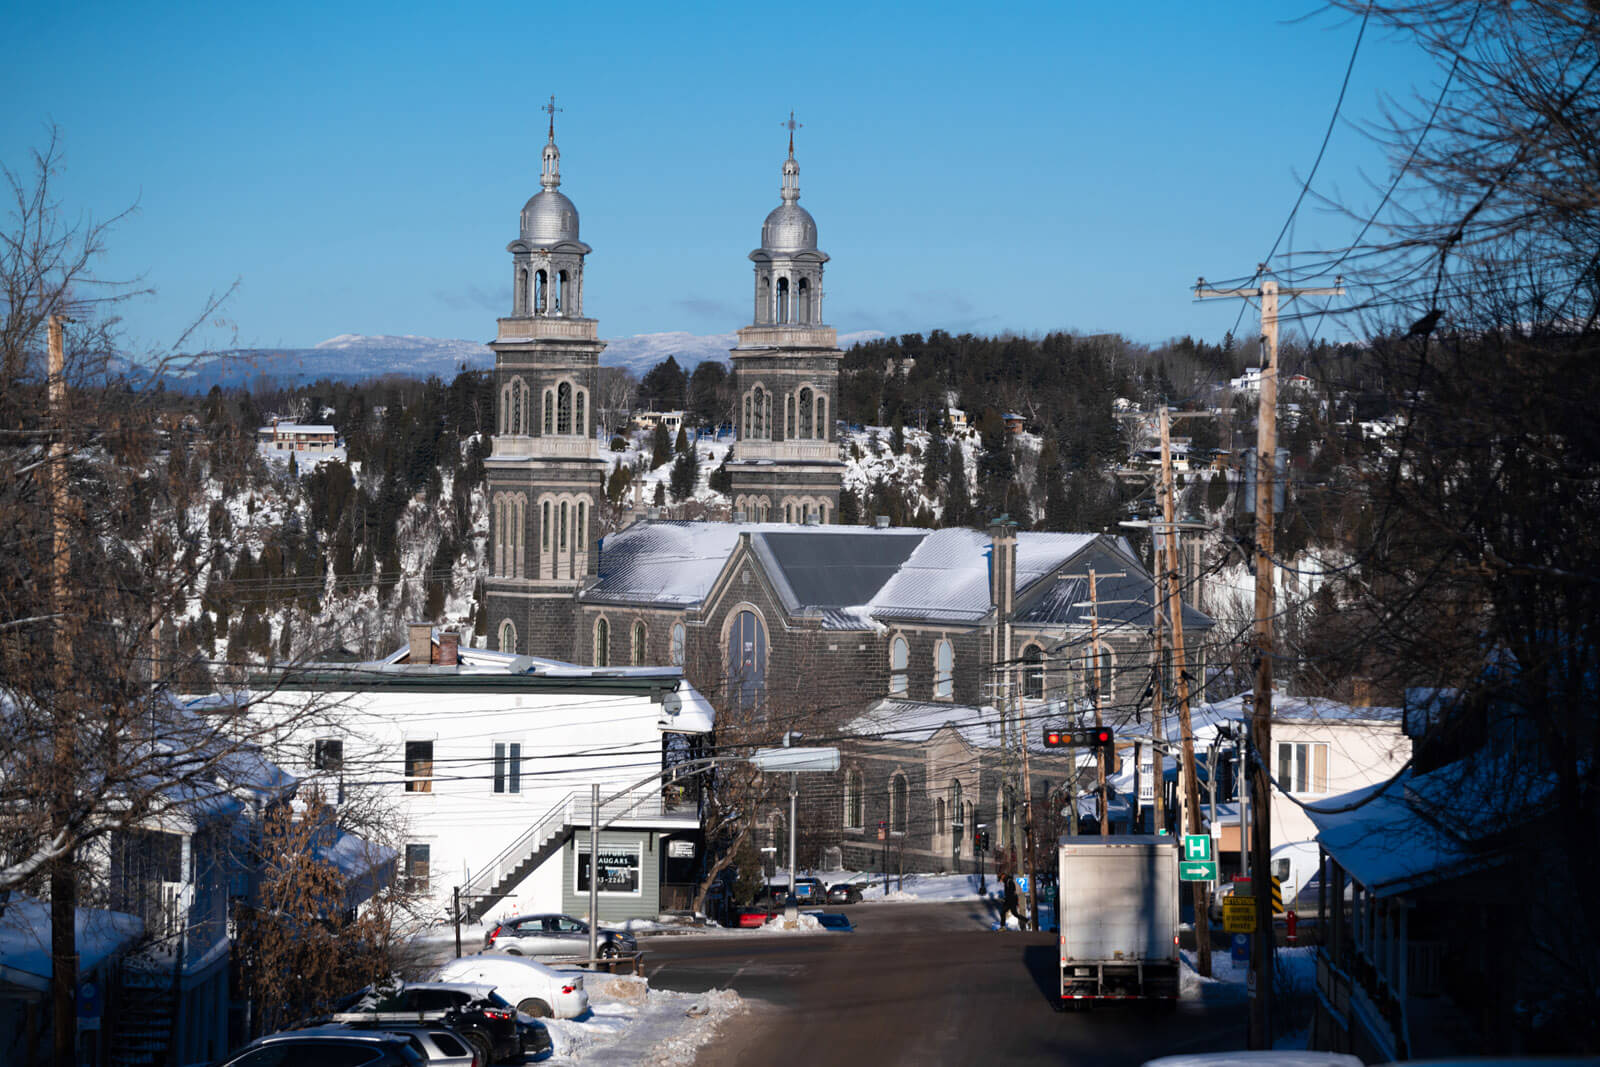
(1197, 847)
(1197, 870)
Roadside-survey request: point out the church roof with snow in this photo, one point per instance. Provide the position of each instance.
(857, 578)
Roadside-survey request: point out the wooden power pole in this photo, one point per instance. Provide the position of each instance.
(63, 878)
(1191, 782)
(1269, 293)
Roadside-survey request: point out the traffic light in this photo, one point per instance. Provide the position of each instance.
(1100, 738)
(980, 840)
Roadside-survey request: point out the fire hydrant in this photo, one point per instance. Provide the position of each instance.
(1291, 923)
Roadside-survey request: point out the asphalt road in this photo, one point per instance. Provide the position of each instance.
(918, 984)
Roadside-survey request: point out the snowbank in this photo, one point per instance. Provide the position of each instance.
(661, 1027)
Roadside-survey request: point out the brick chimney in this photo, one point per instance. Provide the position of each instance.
(449, 649)
(420, 639)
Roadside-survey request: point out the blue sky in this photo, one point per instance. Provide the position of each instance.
(360, 168)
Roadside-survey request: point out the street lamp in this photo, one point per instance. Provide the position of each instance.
(774, 850)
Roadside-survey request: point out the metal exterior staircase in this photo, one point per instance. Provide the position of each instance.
(494, 881)
(142, 1033)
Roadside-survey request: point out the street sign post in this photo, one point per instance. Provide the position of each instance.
(1197, 847)
(1197, 870)
(1239, 915)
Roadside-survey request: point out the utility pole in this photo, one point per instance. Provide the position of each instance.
(594, 872)
(1158, 702)
(1099, 692)
(1270, 293)
(63, 878)
(1191, 782)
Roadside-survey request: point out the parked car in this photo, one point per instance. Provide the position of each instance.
(844, 893)
(438, 1044)
(753, 915)
(809, 891)
(540, 991)
(329, 1045)
(832, 920)
(483, 1018)
(555, 935)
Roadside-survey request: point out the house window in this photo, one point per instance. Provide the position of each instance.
(327, 754)
(638, 644)
(899, 659)
(419, 766)
(678, 642)
(508, 637)
(747, 659)
(1033, 672)
(507, 767)
(602, 643)
(415, 879)
(944, 670)
(899, 798)
(1303, 766)
(852, 799)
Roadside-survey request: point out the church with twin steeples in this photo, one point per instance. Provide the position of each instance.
(546, 476)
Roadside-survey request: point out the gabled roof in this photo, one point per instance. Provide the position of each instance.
(1123, 588)
(858, 578)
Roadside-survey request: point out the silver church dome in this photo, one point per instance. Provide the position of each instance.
(549, 217)
(789, 228)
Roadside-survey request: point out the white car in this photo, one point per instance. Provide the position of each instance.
(535, 989)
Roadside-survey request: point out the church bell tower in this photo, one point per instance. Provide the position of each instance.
(786, 465)
(545, 472)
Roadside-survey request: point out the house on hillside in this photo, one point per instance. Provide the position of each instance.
(649, 420)
(305, 443)
(488, 759)
(820, 624)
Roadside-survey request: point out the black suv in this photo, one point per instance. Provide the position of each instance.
(327, 1047)
(480, 1015)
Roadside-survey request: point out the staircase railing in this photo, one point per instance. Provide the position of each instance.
(572, 809)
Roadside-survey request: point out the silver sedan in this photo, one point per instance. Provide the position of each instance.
(554, 935)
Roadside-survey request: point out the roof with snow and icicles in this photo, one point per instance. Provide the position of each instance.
(861, 578)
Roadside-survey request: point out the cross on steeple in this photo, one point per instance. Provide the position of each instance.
(791, 125)
(551, 109)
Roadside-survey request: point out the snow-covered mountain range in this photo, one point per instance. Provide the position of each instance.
(356, 357)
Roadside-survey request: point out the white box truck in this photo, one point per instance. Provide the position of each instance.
(1118, 916)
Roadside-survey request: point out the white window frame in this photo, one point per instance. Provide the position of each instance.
(1296, 766)
(507, 777)
(944, 680)
(899, 666)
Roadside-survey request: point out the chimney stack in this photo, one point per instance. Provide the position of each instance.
(1002, 564)
(881, 521)
(420, 639)
(449, 648)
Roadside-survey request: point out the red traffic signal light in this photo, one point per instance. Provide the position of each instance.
(1101, 737)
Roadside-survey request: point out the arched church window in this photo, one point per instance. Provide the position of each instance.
(639, 643)
(522, 291)
(764, 301)
(822, 417)
(562, 544)
(579, 426)
(805, 302)
(508, 637)
(783, 300)
(561, 292)
(788, 417)
(899, 660)
(1033, 672)
(944, 670)
(516, 405)
(602, 643)
(679, 636)
(747, 660)
(540, 293)
(564, 408)
(807, 413)
(853, 807)
(544, 526)
(549, 412)
(749, 430)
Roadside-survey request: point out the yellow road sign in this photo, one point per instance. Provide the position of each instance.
(1239, 915)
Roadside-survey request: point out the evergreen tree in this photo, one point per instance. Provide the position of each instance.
(663, 386)
(661, 494)
(721, 479)
(685, 473)
(849, 508)
(934, 460)
(957, 500)
(660, 447)
(897, 435)
(681, 445)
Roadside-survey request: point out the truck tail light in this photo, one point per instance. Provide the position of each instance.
(490, 1013)
(569, 989)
